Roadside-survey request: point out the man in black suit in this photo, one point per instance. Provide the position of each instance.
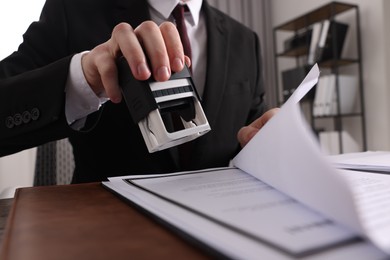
(51, 89)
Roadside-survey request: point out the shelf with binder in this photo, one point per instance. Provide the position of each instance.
(330, 101)
(322, 44)
(320, 36)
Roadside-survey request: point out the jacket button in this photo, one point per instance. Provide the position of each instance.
(9, 122)
(35, 114)
(18, 119)
(26, 117)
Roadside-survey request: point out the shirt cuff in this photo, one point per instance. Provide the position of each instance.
(80, 99)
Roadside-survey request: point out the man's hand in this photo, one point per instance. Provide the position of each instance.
(246, 133)
(149, 50)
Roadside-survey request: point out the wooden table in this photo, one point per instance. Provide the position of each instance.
(86, 221)
(5, 205)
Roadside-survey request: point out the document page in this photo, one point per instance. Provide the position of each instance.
(287, 148)
(234, 241)
(372, 198)
(239, 201)
(285, 154)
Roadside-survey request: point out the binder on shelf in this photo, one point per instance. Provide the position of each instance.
(348, 90)
(315, 36)
(320, 96)
(330, 102)
(323, 34)
(291, 78)
(300, 39)
(322, 38)
(326, 99)
(325, 49)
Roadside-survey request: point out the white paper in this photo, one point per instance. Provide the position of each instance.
(286, 155)
(287, 148)
(228, 242)
(239, 201)
(371, 194)
(376, 161)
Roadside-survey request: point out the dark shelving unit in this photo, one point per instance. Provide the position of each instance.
(295, 26)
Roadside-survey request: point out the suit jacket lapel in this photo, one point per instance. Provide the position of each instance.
(217, 63)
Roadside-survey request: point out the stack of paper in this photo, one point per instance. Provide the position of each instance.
(372, 161)
(283, 199)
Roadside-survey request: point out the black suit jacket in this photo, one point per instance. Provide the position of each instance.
(33, 79)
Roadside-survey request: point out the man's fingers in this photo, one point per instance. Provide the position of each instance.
(149, 49)
(173, 45)
(125, 41)
(109, 78)
(261, 121)
(246, 133)
(150, 36)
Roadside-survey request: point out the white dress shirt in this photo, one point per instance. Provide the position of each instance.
(82, 101)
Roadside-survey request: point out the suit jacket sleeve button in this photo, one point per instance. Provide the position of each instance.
(18, 119)
(26, 117)
(9, 122)
(35, 113)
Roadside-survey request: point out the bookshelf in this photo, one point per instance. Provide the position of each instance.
(293, 42)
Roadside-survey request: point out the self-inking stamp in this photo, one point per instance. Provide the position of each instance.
(154, 105)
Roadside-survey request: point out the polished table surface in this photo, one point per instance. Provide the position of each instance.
(86, 221)
(5, 205)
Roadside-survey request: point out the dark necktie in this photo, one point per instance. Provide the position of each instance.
(178, 14)
(183, 149)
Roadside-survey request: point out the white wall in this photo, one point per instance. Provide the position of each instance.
(15, 16)
(16, 170)
(375, 56)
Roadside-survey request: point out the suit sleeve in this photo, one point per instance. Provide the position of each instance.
(32, 82)
(32, 108)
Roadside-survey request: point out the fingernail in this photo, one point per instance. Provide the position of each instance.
(187, 61)
(115, 100)
(143, 69)
(178, 64)
(163, 73)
